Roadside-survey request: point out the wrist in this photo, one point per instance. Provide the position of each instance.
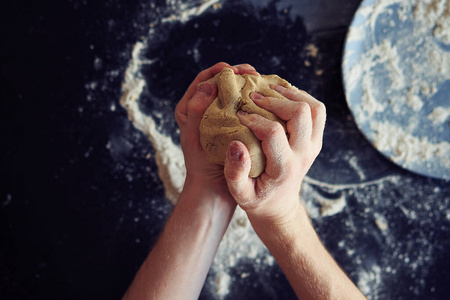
(212, 201)
(293, 223)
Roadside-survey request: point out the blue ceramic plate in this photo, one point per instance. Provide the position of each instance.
(396, 70)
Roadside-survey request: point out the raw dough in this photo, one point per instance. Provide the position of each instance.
(220, 125)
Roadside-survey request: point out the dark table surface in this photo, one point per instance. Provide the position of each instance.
(77, 216)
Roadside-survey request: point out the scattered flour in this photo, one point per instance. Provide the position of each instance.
(439, 115)
(381, 222)
(353, 162)
(368, 278)
(222, 283)
(186, 11)
(437, 17)
(169, 157)
(240, 243)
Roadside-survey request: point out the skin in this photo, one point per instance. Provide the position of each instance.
(211, 192)
(195, 228)
(271, 201)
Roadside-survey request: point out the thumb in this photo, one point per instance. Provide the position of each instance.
(236, 171)
(194, 109)
(202, 98)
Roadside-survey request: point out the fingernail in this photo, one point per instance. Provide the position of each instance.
(256, 96)
(206, 88)
(248, 69)
(234, 152)
(278, 88)
(241, 113)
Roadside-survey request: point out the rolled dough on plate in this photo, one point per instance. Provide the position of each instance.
(220, 125)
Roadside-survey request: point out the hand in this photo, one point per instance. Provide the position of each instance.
(188, 114)
(273, 198)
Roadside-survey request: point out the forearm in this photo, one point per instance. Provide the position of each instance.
(177, 266)
(310, 269)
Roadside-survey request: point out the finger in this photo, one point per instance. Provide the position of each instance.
(319, 116)
(197, 105)
(190, 122)
(181, 108)
(296, 114)
(281, 107)
(207, 74)
(246, 69)
(300, 127)
(236, 171)
(293, 93)
(285, 110)
(273, 139)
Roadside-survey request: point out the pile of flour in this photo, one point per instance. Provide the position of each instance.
(405, 64)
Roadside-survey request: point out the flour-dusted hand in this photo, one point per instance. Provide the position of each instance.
(188, 114)
(274, 196)
(198, 222)
(271, 201)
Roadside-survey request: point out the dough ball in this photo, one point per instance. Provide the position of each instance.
(220, 124)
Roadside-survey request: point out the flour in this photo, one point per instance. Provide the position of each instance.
(240, 242)
(328, 206)
(406, 147)
(398, 77)
(185, 11)
(439, 115)
(366, 276)
(222, 283)
(435, 15)
(345, 211)
(169, 157)
(381, 222)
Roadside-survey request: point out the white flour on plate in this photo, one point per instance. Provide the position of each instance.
(400, 74)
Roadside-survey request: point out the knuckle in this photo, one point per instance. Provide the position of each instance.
(275, 128)
(318, 109)
(299, 95)
(231, 176)
(246, 66)
(268, 102)
(302, 108)
(194, 109)
(220, 65)
(303, 92)
(179, 115)
(289, 93)
(192, 106)
(319, 145)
